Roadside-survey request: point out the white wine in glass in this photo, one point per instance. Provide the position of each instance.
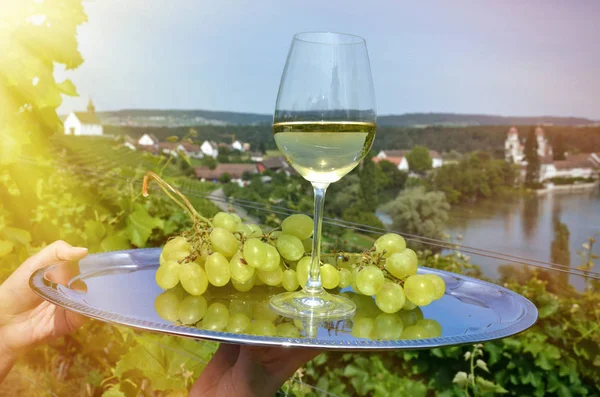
(324, 125)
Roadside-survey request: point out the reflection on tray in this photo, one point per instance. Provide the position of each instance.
(227, 310)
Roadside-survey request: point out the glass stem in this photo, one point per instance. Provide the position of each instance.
(313, 284)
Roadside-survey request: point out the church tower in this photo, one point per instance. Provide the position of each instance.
(90, 107)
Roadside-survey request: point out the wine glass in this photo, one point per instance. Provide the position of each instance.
(324, 124)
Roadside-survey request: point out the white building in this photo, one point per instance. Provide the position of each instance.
(237, 145)
(83, 123)
(210, 148)
(584, 165)
(398, 157)
(514, 147)
(148, 140)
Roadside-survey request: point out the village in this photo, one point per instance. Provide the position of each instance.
(577, 166)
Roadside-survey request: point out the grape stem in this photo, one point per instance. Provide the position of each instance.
(179, 197)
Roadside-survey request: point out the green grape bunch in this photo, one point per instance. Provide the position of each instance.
(226, 251)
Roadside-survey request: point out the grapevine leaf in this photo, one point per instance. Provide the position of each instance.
(113, 392)
(140, 225)
(460, 379)
(17, 235)
(68, 88)
(481, 364)
(94, 231)
(115, 242)
(6, 247)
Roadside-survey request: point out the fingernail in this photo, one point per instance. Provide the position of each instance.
(80, 250)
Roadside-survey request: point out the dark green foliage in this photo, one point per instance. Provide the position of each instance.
(419, 160)
(370, 184)
(532, 175)
(225, 178)
(476, 176)
(558, 147)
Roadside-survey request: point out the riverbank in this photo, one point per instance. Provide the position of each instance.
(577, 187)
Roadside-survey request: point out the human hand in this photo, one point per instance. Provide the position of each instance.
(25, 318)
(249, 371)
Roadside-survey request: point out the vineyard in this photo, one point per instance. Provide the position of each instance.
(88, 193)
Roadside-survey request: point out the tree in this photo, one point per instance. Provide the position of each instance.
(419, 159)
(395, 179)
(225, 178)
(246, 176)
(560, 253)
(370, 177)
(558, 151)
(532, 175)
(418, 212)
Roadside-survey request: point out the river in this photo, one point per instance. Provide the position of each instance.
(525, 227)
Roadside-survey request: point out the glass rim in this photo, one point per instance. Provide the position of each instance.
(312, 37)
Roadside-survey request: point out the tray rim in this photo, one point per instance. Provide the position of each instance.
(46, 289)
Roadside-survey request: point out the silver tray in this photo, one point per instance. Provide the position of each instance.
(118, 287)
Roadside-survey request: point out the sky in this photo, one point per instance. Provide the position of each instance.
(509, 57)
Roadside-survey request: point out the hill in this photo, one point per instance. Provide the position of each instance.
(183, 118)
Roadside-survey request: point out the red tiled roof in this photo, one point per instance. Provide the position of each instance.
(394, 160)
(583, 160)
(234, 170)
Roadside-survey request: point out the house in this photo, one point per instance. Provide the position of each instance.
(210, 148)
(148, 140)
(237, 145)
(83, 123)
(397, 157)
(235, 171)
(276, 164)
(436, 159)
(129, 142)
(584, 165)
(187, 148)
(256, 157)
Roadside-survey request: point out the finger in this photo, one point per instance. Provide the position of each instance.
(15, 294)
(216, 370)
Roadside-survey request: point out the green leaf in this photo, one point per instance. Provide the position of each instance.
(481, 364)
(113, 392)
(6, 247)
(94, 231)
(17, 235)
(460, 379)
(485, 386)
(67, 87)
(140, 225)
(115, 242)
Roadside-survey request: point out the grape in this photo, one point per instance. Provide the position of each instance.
(370, 280)
(240, 306)
(262, 328)
(167, 275)
(175, 249)
(345, 278)
(298, 225)
(193, 278)
(390, 243)
(262, 311)
(408, 305)
(308, 243)
(414, 332)
(390, 298)
(419, 290)
(432, 328)
(226, 221)
(290, 247)
(412, 253)
(238, 323)
(167, 305)
(217, 269)
(243, 229)
(240, 271)
(255, 230)
(410, 317)
(223, 241)
(257, 281)
(272, 278)
(255, 253)
(388, 326)
(290, 280)
(246, 285)
(401, 265)
(363, 327)
(302, 270)
(330, 277)
(439, 284)
(273, 258)
(216, 317)
(236, 218)
(192, 309)
(287, 330)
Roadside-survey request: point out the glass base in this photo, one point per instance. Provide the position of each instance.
(317, 305)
